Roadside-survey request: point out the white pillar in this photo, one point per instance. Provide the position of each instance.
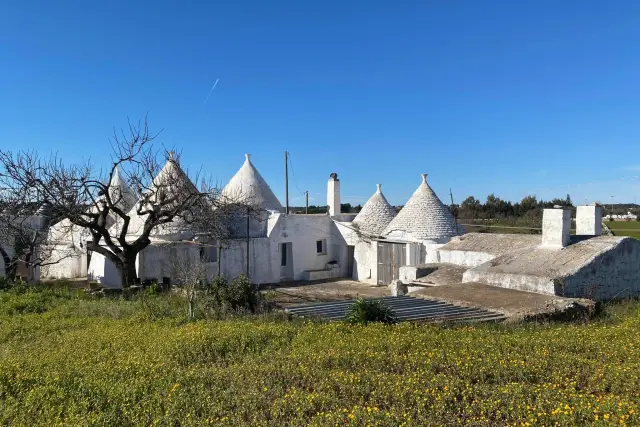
(333, 195)
(589, 220)
(556, 226)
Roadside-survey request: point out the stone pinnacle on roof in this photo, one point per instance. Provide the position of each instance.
(375, 215)
(248, 186)
(423, 217)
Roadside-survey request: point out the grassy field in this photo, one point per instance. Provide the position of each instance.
(625, 228)
(69, 360)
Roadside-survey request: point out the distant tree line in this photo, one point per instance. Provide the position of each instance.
(313, 209)
(494, 207)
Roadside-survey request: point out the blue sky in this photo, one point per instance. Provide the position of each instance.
(507, 97)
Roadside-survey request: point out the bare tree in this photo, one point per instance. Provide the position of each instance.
(190, 274)
(119, 210)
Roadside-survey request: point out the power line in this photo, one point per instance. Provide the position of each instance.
(293, 172)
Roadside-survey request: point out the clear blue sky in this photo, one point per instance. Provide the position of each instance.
(511, 97)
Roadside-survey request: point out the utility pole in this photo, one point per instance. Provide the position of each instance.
(306, 198)
(248, 212)
(612, 208)
(286, 181)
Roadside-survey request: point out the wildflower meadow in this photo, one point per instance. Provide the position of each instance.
(66, 359)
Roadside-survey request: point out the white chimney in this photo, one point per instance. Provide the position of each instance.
(333, 195)
(556, 227)
(589, 220)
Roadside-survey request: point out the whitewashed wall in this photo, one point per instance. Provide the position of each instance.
(366, 262)
(613, 274)
(72, 265)
(464, 258)
(103, 271)
(303, 231)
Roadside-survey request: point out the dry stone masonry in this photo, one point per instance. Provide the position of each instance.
(375, 215)
(423, 217)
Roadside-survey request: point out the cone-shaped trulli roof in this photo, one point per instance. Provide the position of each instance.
(248, 186)
(375, 215)
(173, 186)
(120, 193)
(172, 181)
(423, 217)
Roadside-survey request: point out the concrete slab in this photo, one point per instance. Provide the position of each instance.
(323, 291)
(512, 303)
(441, 274)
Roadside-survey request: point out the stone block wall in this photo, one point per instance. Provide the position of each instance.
(611, 275)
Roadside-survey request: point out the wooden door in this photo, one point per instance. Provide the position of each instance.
(391, 256)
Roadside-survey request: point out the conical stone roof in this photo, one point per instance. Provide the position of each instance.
(120, 193)
(375, 215)
(248, 186)
(423, 217)
(171, 186)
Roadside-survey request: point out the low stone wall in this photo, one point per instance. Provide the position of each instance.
(465, 258)
(614, 274)
(520, 282)
(410, 273)
(330, 273)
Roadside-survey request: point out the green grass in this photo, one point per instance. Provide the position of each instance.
(625, 228)
(70, 360)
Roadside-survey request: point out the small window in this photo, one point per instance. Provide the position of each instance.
(209, 253)
(283, 254)
(321, 247)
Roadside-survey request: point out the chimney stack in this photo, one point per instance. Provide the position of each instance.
(589, 220)
(333, 195)
(556, 227)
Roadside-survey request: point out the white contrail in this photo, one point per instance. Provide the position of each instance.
(212, 88)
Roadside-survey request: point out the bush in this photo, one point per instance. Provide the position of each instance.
(240, 294)
(154, 288)
(365, 311)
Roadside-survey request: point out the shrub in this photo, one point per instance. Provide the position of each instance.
(365, 311)
(154, 288)
(239, 294)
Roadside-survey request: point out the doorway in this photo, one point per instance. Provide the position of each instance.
(391, 256)
(350, 260)
(286, 261)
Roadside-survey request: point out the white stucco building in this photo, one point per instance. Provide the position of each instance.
(384, 241)
(274, 247)
(377, 246)
(271, 247)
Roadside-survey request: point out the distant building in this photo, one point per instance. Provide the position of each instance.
(628, 217)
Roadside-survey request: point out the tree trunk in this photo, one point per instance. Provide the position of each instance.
(9, 265)
(190, 300)
(127, 269)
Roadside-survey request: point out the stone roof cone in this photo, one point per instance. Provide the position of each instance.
(172, 180)
(423, 217)
(248, 185)
(120, 193)
(171, 184)
(375, 215)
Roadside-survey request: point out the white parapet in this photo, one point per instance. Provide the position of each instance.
(556, 226)
(589, 220)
